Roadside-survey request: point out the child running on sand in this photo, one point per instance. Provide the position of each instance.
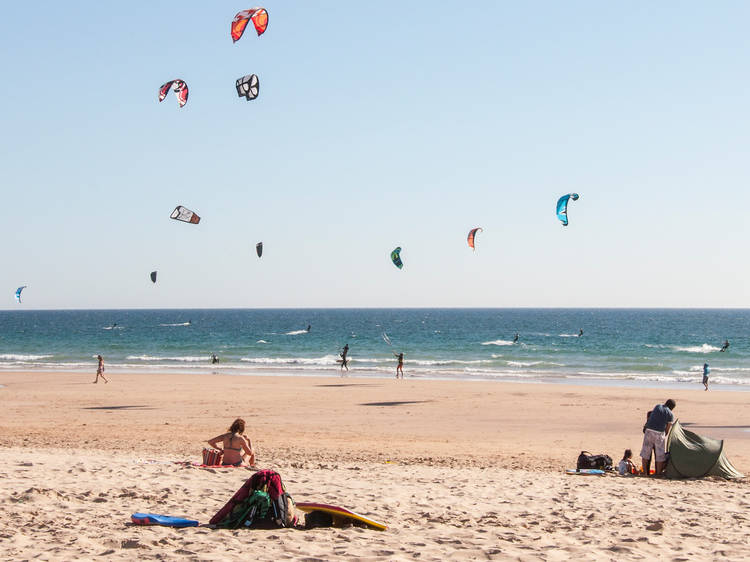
(100, 370)
(627, 466)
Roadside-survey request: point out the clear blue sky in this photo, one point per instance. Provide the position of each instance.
(378, 125)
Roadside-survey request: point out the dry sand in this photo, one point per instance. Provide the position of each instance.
(459, 470)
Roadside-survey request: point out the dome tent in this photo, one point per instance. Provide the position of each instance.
(693, 456)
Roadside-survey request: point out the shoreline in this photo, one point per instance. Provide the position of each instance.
(363, 374)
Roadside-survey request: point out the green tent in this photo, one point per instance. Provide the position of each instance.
(693, 456)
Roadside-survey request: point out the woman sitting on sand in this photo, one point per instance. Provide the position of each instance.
(235, 445)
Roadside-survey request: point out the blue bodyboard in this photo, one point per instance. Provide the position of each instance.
(163, 520)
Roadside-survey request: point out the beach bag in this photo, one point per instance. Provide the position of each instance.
(261, 503)
(587, 460)
(212, 457)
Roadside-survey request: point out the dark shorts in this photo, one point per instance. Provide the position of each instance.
(238, 463)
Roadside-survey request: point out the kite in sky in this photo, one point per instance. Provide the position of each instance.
(472, 235)
(180, 89)
(562, 207)
(259, 17)
(259, 249)
(396, 258)
(184, 214)
(153, 277)
(248, 86)
(18, 292)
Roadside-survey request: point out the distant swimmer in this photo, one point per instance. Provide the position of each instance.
(344, 360)
(100, 370)
(400, 366)
(725, 346)
(515, 338)
(580, 332)
(214, 359)
(706, 371)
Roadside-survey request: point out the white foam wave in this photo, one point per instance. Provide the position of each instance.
(567, 335)
(177, 324)
(261, 341)
(532, 363)
(187, 359)
(705, 348)
(319, 361)
(295, 332)
(22, 357)
(496, 355)
(498, 342)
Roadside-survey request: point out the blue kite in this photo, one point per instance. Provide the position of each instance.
(18, 293)
(562, 207)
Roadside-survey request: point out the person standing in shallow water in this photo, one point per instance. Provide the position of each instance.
(706, 371)
(400, 366)
(344, 360)
(100, 370)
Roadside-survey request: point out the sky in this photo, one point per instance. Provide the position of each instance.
(377, 125)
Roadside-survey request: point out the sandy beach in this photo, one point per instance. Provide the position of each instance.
(458, 470)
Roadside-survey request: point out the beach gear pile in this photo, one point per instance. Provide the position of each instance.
(694, 456)
(587, 461)
(261, 503)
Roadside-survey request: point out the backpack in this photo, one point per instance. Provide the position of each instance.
(261, 503)
(587, 460)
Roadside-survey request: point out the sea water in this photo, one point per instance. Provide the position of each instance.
(619, 346)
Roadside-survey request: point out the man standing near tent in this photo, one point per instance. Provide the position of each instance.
(655, 436)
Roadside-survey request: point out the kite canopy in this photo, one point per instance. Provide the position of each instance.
(694, 456)
(184, 214)
(259, 17)
(562, 207)
(18, 292)
(180, 89)
(396, 258)
(153, 277)
(248, 86)
(472, 235)
(259, 249)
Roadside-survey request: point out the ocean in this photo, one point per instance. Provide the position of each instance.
(641, 347)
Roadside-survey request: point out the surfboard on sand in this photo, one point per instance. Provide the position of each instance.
(340, 514)
(584, 472)
(163, 520)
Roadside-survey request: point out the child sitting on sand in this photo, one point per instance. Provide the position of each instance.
(627, 466)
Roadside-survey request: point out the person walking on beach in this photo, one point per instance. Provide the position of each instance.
(706, 370)
(100, 370)
(400, 366)
(655, 436)
(214, 359)
(344, 360)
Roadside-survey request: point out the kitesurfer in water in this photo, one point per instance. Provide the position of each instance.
(725, 346)
(308, 328)
(515, 338)
(400, 366)
(100, 370)
(344, 360)
(580, 332)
